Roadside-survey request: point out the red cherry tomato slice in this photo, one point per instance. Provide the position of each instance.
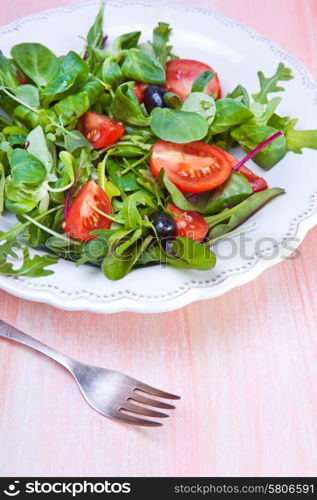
(194, 167)
(101, 130)
(181, 74)
(82, 218)
(189, 224)
(257, 183)
(139, 89)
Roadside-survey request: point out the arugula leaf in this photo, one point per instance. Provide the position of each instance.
(126, 182)
(269, 85)
(201, 103)
(296, 140)
(25, 168)
(126, 41)
(202, 81)
(228, 220)
(130, 213)
(37, 62)
(71, 76)
(161, 36)
(229, 113)
(141, 67)
(33, 267)
(178, 126)
(250, 136)
(125, 106)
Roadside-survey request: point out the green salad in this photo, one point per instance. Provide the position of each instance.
(118, 157)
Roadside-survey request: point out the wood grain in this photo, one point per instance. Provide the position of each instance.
(245, 363)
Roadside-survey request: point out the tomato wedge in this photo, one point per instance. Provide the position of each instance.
(139, 89)
(82, 218)
(257, 183)
(101, 130)
(181, 74)
(189, 224)
(194, 167)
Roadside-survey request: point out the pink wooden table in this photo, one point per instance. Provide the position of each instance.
(245, 363)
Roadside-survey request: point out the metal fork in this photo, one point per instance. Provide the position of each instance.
(109, 392)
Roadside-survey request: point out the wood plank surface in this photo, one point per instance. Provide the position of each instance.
(245, 363)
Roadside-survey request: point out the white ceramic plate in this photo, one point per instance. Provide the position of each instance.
(237, 52)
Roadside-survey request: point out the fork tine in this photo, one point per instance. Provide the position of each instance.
(151, 402)
(129, 419)
(146, 412)
(155, 392)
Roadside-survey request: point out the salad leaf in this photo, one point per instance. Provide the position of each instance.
(229, 194)
(74, 106)
(263, 112)
(125, 106)
(33, 267)
(188, 254)
(8, 74)
(178, 126)
(37, 146)
(241, 94)
(201, 103)
(71, 76)
(296, 140)
(141, 67)
(173, 100)
(74, 140)
(2, 184)
(95, 33)
(126, 41)
(270, 85)
(229, 113)
(250, 136)
(126, 182)
(202, 81)
(118, 265)
(25, 168)
(178, 198)
(161, 36)
(228, 220)
(111, 72)
(130, 212)
(28, 94)
(37, 62)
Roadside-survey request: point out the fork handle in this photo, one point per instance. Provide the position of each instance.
(11, 333)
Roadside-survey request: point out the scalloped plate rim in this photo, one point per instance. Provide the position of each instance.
(195, 291)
